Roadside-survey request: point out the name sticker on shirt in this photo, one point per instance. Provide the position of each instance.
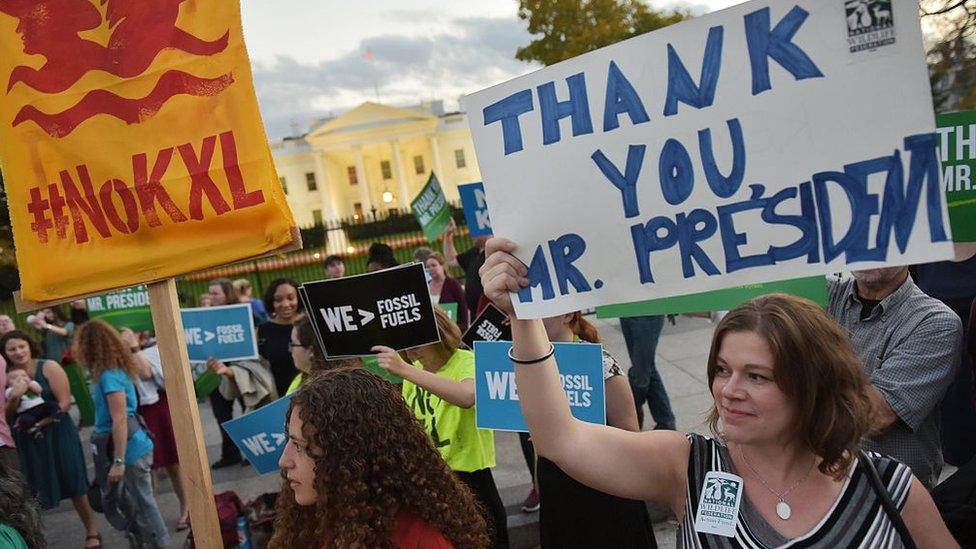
(718, 506)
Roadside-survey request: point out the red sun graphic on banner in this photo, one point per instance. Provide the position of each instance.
(138, 30)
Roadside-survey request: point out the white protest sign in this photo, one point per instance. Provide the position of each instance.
(772, 140)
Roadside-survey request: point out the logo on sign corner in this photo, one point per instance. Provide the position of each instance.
(870, 24)
(140, 31)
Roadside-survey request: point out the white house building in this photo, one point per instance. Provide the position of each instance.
(374, 158)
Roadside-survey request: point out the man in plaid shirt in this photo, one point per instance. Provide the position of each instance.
(909, 345)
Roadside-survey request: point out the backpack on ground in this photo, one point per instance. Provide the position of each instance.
(261, 513)
(229, 508)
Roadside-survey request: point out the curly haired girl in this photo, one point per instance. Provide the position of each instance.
(439, 388)
(360, 472)
(100, 349)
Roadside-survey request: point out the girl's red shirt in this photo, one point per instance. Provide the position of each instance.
(412, 532)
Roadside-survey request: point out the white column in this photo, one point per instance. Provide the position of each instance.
(435, 151)
(364, 196)
(403, 191)
(329, 202)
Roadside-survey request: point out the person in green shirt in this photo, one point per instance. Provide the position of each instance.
(439, 388)
(20, 523)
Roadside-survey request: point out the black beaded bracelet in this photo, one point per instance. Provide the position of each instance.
(552, 351)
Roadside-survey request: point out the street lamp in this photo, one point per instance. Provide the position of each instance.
(388, 196)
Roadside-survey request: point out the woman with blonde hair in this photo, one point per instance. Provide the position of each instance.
(360, 472)
(100, 349)
(244, 293)
(439, 387)
(784, 467)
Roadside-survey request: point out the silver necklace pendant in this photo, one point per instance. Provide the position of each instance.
(783, 510)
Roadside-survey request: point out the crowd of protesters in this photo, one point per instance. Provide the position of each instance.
(810, 406)
(41, 451)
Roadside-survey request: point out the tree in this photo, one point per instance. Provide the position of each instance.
(567, 28)
(952, 52)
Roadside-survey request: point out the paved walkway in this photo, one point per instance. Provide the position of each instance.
(681, 357)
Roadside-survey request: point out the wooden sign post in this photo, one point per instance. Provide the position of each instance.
(183, 410)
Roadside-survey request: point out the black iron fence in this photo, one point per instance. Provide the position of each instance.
(349, 238)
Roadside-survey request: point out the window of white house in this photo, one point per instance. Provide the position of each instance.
(284, 184)
(351, 174)
(310, 181)
(317, 217)
(385, 168)
(459, 159)
(418, 164)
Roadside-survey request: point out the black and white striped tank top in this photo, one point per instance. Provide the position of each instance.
(855, 520)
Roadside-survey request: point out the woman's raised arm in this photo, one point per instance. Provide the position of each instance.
(649, 466)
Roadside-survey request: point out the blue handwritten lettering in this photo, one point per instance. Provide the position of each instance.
(689, 235)
(806, 222)
(901, 203)
(731, 239)
(565, 250)
(646, 239)
(777, 44)
(538, 275)
(856, 237)
(621, 97)
(682, 88)
(675, 172)
(552, 111)
(858, 249)
(627, 181)
(723, 186)
(507, 111)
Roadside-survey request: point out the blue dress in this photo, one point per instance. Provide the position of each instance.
(52, 464)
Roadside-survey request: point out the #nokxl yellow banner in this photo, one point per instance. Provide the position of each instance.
(131, 144)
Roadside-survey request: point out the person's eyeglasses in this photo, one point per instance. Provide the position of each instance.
(292, 346)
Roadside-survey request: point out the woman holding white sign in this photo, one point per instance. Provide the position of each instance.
(439, 388)
(790, 408)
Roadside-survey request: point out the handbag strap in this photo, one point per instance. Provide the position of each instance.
(889, 506)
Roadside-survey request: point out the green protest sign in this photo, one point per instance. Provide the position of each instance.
(206, 384)
(813, 288)
(373, 365)
(450, 309)
(957, 151)
(79, 390)
(431, 209)
(128, 308)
